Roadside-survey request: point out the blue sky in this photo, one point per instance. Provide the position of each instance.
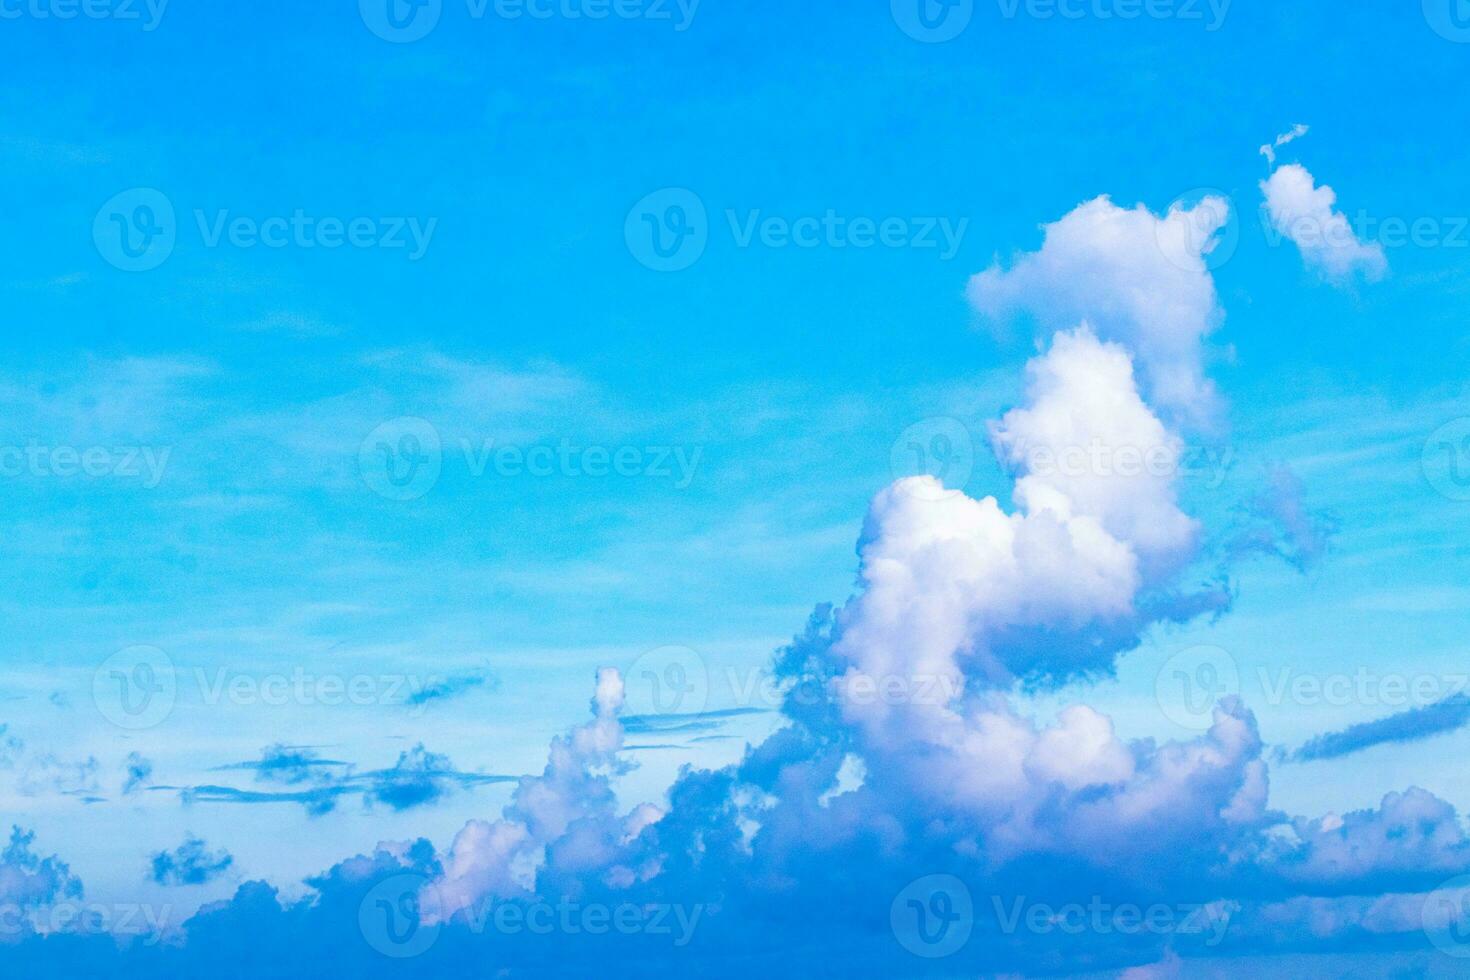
(664, 470)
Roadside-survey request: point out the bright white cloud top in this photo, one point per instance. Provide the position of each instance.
(1306, 213)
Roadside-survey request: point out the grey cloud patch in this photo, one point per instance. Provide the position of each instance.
(1414, 725)
(446, 688)
(191, 863)
(138, 772)
(669, 724)
(1278, 522)
(286, 764)
(419, 777)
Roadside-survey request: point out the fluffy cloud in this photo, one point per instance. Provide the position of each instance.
(1307, 214)
(28, 882)
(1136, 278)
(904, 760)
(191, 863)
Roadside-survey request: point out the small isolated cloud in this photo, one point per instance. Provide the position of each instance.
(669, 724)
(1414, 725)
(11, 746)
(48, 773)
(29, 881)
(191, 863)
(287, 765)
(1307, 214)
(1278, 522)
(1295, 133)
(419, 777)
(447, 688)
(138, 771)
